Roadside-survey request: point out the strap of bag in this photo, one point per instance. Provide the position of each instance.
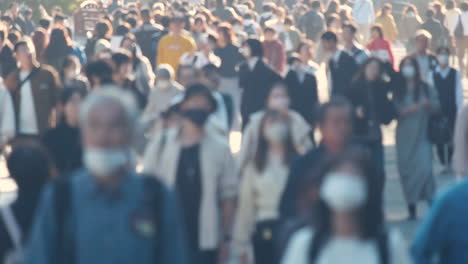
(12, 227)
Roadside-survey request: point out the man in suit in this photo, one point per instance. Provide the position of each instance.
(341, 66)
(255, 79)
(35, 90)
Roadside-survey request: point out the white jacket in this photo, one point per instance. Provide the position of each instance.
(363, 12)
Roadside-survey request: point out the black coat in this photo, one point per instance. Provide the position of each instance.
(304, 95)
(377, 107)
(64, 146)
(256, 86)
(342, 73)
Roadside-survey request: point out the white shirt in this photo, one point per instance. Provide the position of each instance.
(339, 250)
(363, 12)
(451, 19)
(27, 118)
(7, 115)
(219, 119)
(459, 86)
(464, 17)
(201, 59)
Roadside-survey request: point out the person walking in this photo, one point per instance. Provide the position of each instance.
(359, 53)
(380, 47)
(414, 102)
(440, 34)
(461, 36)
(111, 213)
(364, 15)
(275, 53)
(312, 23)
(262, 184)
(386, 20)
(410, 22)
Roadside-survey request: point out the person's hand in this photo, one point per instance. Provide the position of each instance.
(224, 251)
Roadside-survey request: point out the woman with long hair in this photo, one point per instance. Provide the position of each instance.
(372, 108)
(347, 219)
(415, 101)
(263, 181)
(40, 39)
(379, 46)
(60, 46)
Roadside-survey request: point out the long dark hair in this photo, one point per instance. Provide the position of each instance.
(370, 216)
(401, 88)
(261, 153)
(360, 77)
(60, 43)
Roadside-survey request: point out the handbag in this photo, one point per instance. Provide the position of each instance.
(459, 32)
(439, 129)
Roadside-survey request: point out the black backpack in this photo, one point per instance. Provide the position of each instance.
(320, 239)
(65, 249)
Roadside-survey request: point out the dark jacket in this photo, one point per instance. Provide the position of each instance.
(256, 86)
(46, 89)
(342, 73)
(312, 24)
(440, 35)
(64, 145)
(376, 105)
(7, 61)
(304, 96)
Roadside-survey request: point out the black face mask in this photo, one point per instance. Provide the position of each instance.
(196, 116)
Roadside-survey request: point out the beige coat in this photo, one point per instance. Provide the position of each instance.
(460, 155)
(219, 179)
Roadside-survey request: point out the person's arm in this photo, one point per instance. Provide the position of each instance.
(7, 118)
(41, 247)
(390, 54)
(459, 92)
(431, 237)
(174, 247)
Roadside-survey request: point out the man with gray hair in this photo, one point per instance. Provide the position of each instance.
(106, 212)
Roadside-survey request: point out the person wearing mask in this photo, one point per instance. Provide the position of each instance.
(335, 124)
(302, 89)
(230, 59)
(162, 95)
(134, 218)
(348, 218)
(341, 66)
(415, 101)
(364, 15)
(452, 15)
(250, 26)
(461, 35)
(262, 184)
(369, 95)
(146, 36)
(70, 73)
(359, 54)
(410, 23)
(199, 29)
(172, 46)
(279, 100)
(312, 23)
(35, 90)
(30, 180)
(122, 62)
(141, 69)
(448, 83)
(202, 171)
(274, 52)
(63, 141)
(204, 56)
(426, 61)
(440, 35)
(380, 47)
(255, 79)
(386, 20)
(99, 74)
(290, 37)
(7, 59)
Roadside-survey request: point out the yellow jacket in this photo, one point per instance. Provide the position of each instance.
(389, 27)
(171, 48)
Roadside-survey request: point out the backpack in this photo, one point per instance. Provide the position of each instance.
(16, 255)
(320, 239)
(153, 198)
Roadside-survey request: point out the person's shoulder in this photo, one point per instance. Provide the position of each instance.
(298, 247)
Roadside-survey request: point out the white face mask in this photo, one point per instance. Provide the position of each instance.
(276, 132)
(279, 103)
(408, 72)
(164, 84)
(245, 51)
(443, 59)
(343, 192)
(104, 162)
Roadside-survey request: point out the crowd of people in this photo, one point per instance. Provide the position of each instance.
(120, 141)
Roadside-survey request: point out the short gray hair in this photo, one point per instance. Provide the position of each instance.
(111, 95)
